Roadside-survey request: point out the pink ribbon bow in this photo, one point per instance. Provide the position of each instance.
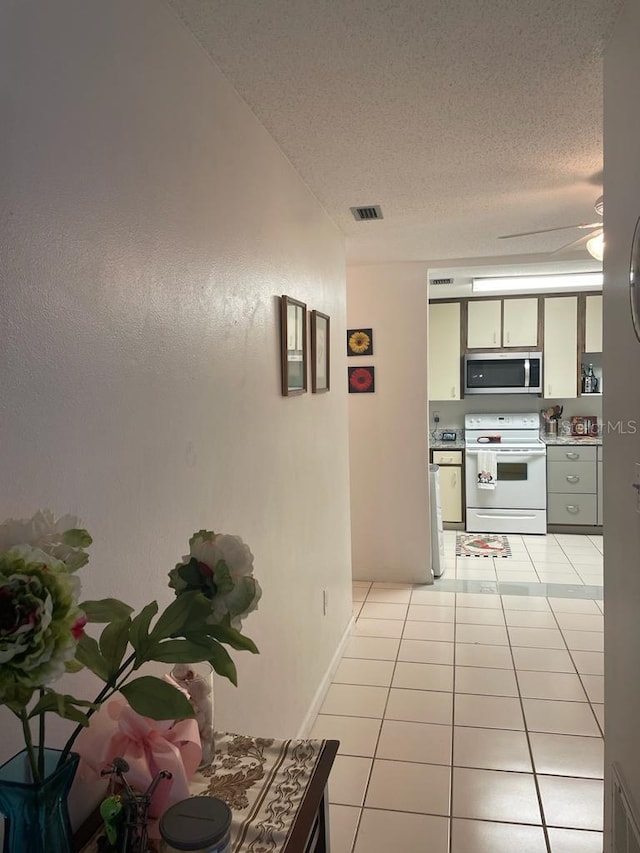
(148, 746)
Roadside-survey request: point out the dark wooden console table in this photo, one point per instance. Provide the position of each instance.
(276, 789)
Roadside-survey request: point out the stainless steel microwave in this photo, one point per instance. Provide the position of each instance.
(503, 373)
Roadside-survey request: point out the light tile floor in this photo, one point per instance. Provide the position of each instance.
(470, 712)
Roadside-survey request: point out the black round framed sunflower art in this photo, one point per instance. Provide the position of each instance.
(359, 341)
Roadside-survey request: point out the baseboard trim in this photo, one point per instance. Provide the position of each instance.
(321, 692)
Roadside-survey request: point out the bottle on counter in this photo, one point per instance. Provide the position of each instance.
(589, 381)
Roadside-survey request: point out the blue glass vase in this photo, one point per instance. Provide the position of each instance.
(36, 814)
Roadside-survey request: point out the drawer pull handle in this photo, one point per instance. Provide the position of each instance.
(573, 456)
(572, 478)
(573, 509)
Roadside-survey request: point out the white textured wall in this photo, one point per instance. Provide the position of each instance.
(621, 402)
(388, 429)
(148, 224)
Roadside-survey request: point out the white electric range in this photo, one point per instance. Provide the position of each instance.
(518, 503)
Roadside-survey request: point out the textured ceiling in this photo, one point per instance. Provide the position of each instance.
(464, 119)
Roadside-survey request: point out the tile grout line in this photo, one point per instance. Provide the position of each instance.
(526, 734)
(384, 712)
(453, 717)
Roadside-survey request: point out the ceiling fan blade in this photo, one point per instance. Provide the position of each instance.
(549, 230)
(581, 241)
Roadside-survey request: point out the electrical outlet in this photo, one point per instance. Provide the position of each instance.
(436, 417)
(325, 601)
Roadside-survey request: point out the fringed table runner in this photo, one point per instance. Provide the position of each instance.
(263, 781)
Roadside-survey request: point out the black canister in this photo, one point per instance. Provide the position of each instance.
(197, 824)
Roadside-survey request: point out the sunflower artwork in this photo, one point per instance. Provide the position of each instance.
(359, 341)
(362, 380)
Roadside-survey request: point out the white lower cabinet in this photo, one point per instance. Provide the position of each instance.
(572, 484)
(450, 464)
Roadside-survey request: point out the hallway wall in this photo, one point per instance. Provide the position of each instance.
(388, 429)
(149, 226)
(621, 403)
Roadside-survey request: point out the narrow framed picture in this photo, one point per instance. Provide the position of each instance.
(362, 380)
(319, 352)
(359, 341)
(293, 345)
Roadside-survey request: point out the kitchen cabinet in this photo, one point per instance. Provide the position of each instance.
(572, 484)
(560, 347)
(502, 323)
(450, 463)
(484, 320)
(520, 323)
(593, 324)
(444, 351)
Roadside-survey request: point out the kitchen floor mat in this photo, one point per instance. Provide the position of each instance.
(482, 545)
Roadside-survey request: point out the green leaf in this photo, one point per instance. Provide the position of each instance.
(105, 610)
(223, 665)
(114, 641)
(16, 697)
(64, 705)
(190, 573)
(183, 651)
(157, 699)
(224, 581)
(88, 654)
(187, 608)
(73, 666)
(77, 537)
(139, 633)
(76, 560)
(232, 637)
(72, 713)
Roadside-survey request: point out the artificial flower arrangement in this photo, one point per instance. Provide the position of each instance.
(42, 626)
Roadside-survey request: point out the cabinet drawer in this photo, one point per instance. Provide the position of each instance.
(568, 476)
(447, 457)
(571, 509)
(571, 453)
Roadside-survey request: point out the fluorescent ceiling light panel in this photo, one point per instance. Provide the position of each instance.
(569, 281)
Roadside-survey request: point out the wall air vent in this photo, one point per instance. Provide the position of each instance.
(371, 211)
(626, 836)
(438, 281)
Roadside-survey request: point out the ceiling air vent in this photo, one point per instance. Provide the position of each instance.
(437, 281)
(372, 211)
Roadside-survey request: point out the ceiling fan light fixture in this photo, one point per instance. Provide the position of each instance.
(595, 246)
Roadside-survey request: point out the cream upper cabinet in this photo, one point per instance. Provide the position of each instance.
(520, 323)
(593, 324)
(502, 323)
(560, 347)
(444, 351)
(484, 322)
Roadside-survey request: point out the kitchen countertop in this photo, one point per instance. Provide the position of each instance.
(458, 444)
(436, 444)
(571, 439)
